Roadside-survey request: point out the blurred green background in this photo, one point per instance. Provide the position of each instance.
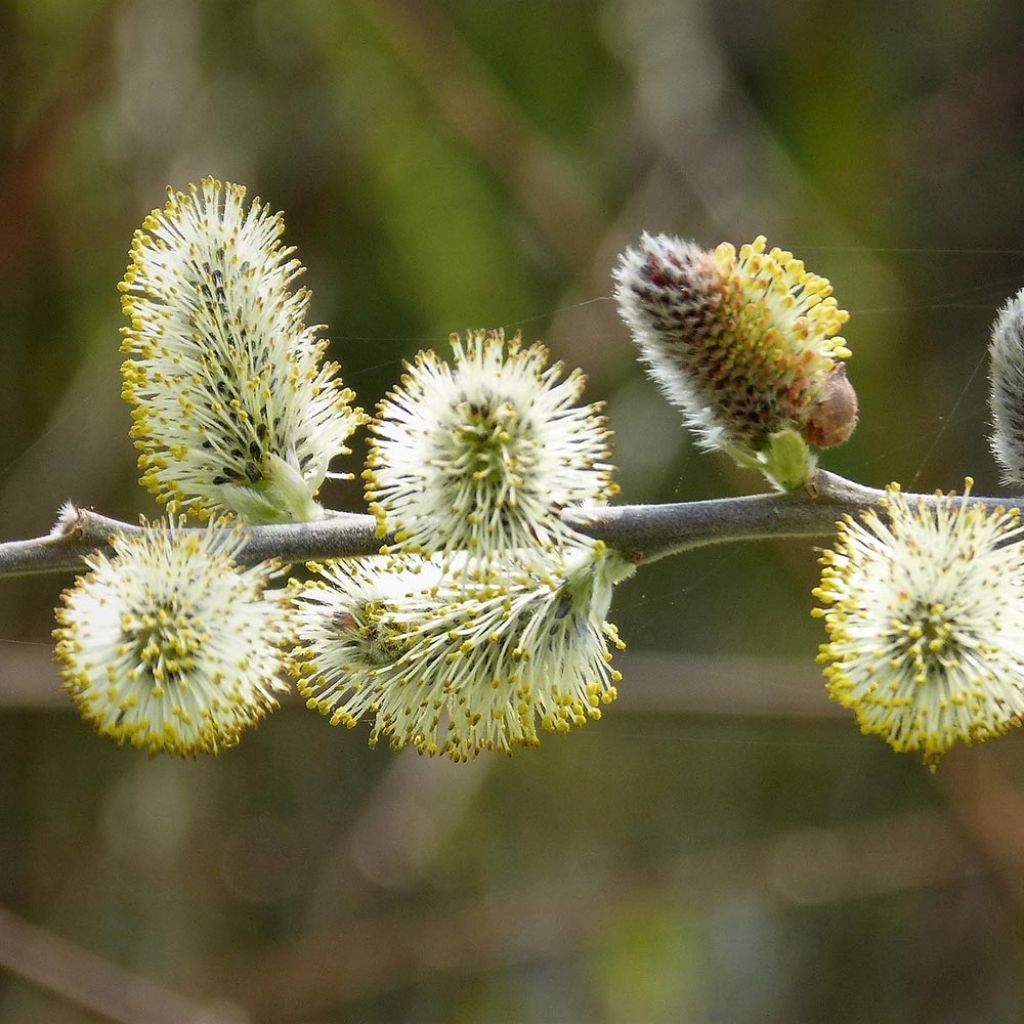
(723, 846)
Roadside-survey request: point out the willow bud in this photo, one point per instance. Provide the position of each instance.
(746, 345)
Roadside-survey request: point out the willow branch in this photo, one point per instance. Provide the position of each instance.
(81, 531)
(643, 533)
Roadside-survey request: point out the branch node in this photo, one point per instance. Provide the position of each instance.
(70, 522)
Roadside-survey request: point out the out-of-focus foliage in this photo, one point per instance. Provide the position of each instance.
(719, 846)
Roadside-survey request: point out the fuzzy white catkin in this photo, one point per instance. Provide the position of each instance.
(1006, 395)
(234, 406)
(482, 452)
(169, 645)
(924, 610)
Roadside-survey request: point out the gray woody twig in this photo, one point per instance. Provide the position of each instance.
(641, 532)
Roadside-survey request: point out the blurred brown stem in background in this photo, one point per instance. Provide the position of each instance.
(552, 918)
(26, 173)
(88, 981)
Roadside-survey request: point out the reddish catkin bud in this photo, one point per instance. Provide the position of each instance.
(745, 343)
